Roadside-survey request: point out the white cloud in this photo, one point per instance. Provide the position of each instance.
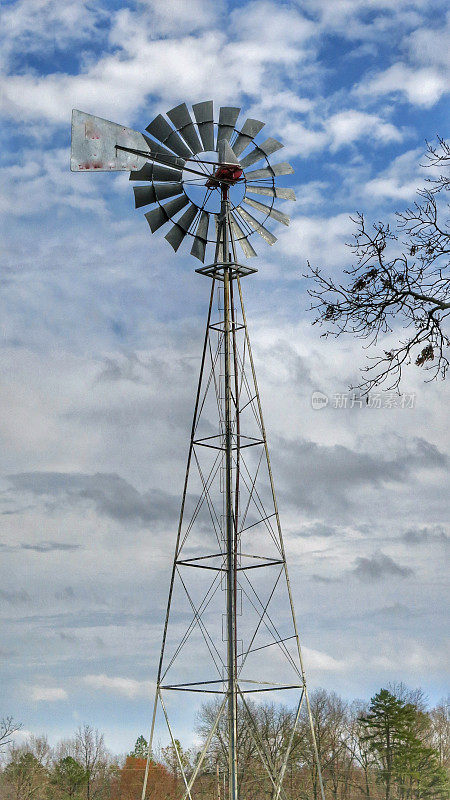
(399, 181)
(43, 181)
(412, 656)
(173, 16)
(348, 126)
(48, 694)
(310, 194)
(214, 63)
(322, 662)
(127, 687)
(422, 87)
(305, 239)
(40, 26)
(278, 31)
(359, 20)
(300, 140)
(429, 46)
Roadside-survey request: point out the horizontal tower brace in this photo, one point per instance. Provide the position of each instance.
(223, 569)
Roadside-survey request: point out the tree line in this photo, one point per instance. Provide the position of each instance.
(393, 748)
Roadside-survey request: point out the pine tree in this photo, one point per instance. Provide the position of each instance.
(394, 732)
(140, 748)
(387, 724)
(69, 776)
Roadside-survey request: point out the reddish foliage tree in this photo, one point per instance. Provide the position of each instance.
(160, 785)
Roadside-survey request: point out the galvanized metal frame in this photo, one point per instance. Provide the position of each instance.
(227, 271)
(176, 144)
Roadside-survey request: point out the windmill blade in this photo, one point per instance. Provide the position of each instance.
(176, 234)
(158, 216)
(160, 129)
(226, 154)
(162, 154)
(198, 248)
(93, 145)
(204, 116)
(270, 210)
(181, 119)
(269, 191)
(272, 171)
(269, 237)
(144, 195)
(227, 120)
(156, 172)
(250, 129)
(262, 151)
(219, 239)
(239, 236)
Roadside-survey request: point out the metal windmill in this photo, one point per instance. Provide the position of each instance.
(229, 581)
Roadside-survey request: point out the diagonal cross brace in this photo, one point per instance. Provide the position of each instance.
(263, 754)
(205, 748)
(276, 793)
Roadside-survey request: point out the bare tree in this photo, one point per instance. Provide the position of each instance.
(399, 278)
(249, 771)
(440, 731)
(40, 748)
(338, 761)
(91, 753)
(8, 727)
(359, 751)
(329, 714)
(415, 697)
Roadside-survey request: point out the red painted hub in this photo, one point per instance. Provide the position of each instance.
(228, 173)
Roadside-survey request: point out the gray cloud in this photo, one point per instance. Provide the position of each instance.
(65, 594)
(425, 535)
(397, 610)
(67, 637)
(112, 496)
(15, 597)
(129, 368)
(318, 529)
(318, 476)
(379, 566)
(7, 653)
(48, 547)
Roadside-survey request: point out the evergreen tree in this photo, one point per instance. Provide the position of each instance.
(69, 776)
(140, 748)
(171, 758)
(386, 726)
(25, 775)
(394, 731)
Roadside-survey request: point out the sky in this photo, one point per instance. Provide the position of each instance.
(101, 332)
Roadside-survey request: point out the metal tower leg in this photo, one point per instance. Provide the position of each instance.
(230, 524)
(177, 544)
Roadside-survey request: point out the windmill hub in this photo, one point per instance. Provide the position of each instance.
(225, 175)
(205, 192)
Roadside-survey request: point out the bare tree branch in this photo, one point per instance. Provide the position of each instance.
(400, 277)
(7, 730)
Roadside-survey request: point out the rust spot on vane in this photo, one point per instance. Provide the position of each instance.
(91, 165)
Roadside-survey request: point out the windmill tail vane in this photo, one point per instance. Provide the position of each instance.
(229, 572)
